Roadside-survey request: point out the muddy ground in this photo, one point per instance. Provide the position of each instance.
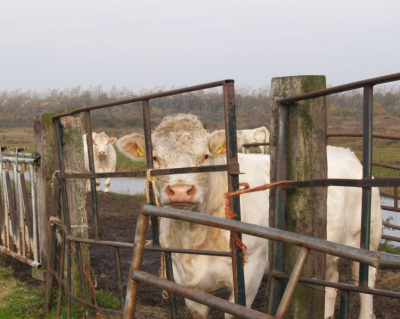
(117, 219)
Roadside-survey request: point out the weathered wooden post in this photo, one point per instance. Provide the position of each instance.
(73, 159)
(298, 152)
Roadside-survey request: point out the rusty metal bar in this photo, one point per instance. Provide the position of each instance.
(341, 286)
(392, 238)
(170, 277)
(377, 182)
(375, 259)
(157, 172)
(386, 137)
(199, 296)
(390, 225)
(137, 257)
(254, 144)
(291, 285)
(119, 276)
(19, 257)
(146, 97)
(233, 185)
(89, 144)
(28, 212)
(278, 220)
(150, 165)
(341, 88)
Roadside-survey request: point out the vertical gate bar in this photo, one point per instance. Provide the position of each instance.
(396, 195)
(28, 213)
(21, 211)
(34, 214)
(89, 143)
(62, 264)
(293, 280)
(170, 277)
(136, 264)
(15, 169)
(11, 213)
(50, 266)
(81, 275)
(150, 165)
(233, 185)
(119, 276)
(367, 174)
(2, 204)
(68, 252)
(275, 286)
(344, 304)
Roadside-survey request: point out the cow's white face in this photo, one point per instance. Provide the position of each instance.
(100, 143)
(178, 142)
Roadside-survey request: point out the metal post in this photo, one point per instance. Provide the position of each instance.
(150, 165)
(233, 185)
(344, 304)
(367, 174)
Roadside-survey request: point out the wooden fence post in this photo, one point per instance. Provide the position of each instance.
(302, 210)
(73, 159)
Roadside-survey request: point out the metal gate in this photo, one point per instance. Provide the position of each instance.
(18, 214)
(379, 260)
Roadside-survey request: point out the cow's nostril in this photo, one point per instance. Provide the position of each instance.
(169, 191)
(191, 191)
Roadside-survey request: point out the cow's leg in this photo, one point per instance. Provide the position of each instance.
(197, 310)
(107, 182)
(266, 149)
(243, 150)
(366, 303)
(262, 148)
(330, 293)
(98, 189)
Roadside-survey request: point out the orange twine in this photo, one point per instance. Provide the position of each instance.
(230, 214)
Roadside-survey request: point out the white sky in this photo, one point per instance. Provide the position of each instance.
(47, 44)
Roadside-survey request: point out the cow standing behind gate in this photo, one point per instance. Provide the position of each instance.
(104, 156)
(256, 135)
(181, 141)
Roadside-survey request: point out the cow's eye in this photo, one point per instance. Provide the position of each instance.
(155, 159)
(205, 157)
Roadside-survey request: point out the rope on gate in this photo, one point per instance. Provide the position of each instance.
(230, 214)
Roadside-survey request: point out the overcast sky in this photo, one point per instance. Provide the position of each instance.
(47, 44)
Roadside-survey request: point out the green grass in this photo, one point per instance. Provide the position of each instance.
(137, 196)
(20, 301)
(388, 248)
(126, 164)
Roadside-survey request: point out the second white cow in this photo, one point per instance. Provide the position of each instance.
(181, 141)
(104, 156)
(257, 135)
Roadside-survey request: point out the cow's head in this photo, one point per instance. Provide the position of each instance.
(179, 141)
(100, 143)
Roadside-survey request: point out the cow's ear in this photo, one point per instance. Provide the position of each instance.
(217, 143)
(112, 140)
(133, 146)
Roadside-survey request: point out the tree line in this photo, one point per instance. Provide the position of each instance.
(19, 108)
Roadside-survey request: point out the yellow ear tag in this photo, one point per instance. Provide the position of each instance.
(220, 149)
(139, 151)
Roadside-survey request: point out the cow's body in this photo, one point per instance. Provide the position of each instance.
(257, 135)
(181, 142)
(104, 156)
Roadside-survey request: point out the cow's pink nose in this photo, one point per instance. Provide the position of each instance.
(181, 193)
(102, 153)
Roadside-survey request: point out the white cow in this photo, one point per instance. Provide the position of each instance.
(181, 141)
(257, 135)
(104, 157)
